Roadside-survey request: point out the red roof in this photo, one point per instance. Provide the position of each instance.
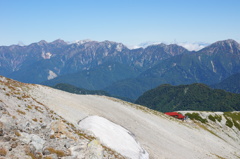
(172, 113)
(179, 116)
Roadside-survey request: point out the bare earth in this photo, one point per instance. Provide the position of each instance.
(159, 135)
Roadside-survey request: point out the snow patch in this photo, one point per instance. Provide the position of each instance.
(110, 68)
(199, 58)
(119, 47)
(51, 75)
(114, 136)
(186, 90)
(47, 55)
(214, 69)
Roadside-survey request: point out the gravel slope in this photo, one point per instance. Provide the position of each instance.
(159, 135)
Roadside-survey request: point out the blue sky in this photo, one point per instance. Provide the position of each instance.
(128, 21)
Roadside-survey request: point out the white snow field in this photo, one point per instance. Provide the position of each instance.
(161, 136)
(114, 136)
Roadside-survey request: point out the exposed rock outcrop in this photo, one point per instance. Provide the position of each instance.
(28, 129)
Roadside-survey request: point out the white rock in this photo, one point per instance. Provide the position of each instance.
(25, 137)
(51, 75)
(37, 142)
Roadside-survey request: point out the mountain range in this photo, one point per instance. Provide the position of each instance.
(114, 68)
(209, 66)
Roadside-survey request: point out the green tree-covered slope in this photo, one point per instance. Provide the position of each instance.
(196, 96)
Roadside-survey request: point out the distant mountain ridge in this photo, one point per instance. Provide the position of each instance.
(113, 67)
(96, 78)
(230, 46)
(43, 61)
(209, 66)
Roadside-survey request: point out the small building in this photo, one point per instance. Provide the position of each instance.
(176, 115)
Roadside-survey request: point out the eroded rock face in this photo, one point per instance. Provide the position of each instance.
(28, 129)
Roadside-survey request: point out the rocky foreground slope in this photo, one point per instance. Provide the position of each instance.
(41, 122)
(29, 129)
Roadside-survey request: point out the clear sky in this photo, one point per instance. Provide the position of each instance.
(128, 21)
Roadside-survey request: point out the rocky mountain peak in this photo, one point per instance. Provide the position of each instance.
(59, 41)
(172, 49)
(162, 45)
(226, 43)
(111, 42)
(175, 49)
(42, 42)
(225, 46)
(157, 45)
